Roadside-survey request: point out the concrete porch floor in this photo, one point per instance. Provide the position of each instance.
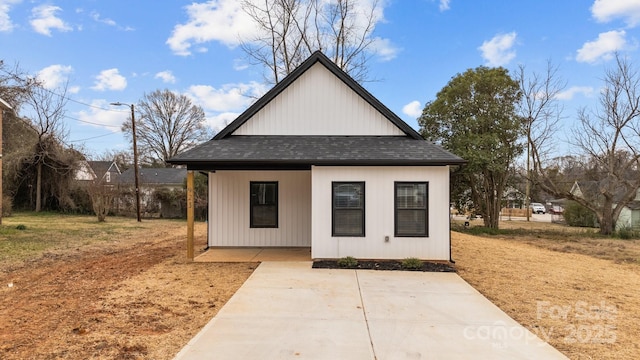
(255, 254)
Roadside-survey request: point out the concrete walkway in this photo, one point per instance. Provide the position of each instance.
(287, 310)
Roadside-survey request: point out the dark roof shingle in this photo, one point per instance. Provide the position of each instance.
(156, 176)
(242, 152)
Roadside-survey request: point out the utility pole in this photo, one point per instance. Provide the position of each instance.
(528, 177)
(135, 156)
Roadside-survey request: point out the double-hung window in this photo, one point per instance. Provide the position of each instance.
(348, 209)
(411, 210)
(264, 204)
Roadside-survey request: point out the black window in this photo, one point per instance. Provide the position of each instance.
(264, 204)
(348, 209)
(411, 209)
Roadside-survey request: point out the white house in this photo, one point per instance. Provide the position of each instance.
(319, 162)
(629, 217)
(106, 172)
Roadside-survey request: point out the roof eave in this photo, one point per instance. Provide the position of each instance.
(203, 164)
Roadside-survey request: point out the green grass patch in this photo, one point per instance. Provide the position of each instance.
(29, 235)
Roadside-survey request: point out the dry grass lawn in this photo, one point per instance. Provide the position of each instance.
(579, 293)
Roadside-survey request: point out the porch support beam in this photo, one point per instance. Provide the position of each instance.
(190, 214)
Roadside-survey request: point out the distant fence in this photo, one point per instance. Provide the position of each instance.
(515, 212)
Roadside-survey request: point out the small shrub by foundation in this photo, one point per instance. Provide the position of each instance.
(411, 263)
(347, 262)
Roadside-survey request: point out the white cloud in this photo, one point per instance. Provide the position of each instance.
(603, 47)
(44, 19)
(166, 76)
(586, 91)
(54, 76)
(102, 115)
(96, 16)
(107, 21)
(413, 109)
(110, 80)
(6, 25)
(444, 5)
(499, 50)
(607, 10)
(384, 49)
(214, 20)
(226, 22)
(223, 105)
(239, 64)
(220, 121)
(229, 97)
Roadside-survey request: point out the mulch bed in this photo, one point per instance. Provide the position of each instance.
(384, 265)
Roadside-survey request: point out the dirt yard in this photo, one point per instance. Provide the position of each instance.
(123, 293)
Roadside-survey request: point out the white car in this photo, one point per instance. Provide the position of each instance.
(538, 208)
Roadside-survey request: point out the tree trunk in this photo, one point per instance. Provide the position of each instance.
(39, 187)
(606, 221)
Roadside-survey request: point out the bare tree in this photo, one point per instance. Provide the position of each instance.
(541, 112)
(290, 30)
(101, 195)
(15, 85)
(609, 138)
(47, 112)
(168, 124)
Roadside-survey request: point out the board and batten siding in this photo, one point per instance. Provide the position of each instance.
(379, 214)
(229, 209)
(318, 103)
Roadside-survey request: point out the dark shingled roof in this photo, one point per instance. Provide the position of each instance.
(101, 167)
(156, 176)
(300, 152)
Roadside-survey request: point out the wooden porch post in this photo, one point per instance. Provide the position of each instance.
(190, 215)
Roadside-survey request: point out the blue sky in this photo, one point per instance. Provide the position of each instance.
(115, 51)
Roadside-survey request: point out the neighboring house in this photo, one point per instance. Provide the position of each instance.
(105, 171)
(319, 162)
(629, 217)
(154, 179)
(513, 198)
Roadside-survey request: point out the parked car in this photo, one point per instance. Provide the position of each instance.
(556, 209)
(538, 208)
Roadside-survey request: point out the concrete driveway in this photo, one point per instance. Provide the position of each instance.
(287, 310)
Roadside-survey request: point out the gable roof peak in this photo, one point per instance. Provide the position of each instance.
(318, 57)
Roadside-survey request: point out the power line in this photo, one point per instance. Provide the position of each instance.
(80, 102)
(92, 123)
(93, 137)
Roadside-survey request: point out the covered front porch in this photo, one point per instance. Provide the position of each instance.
(255, 254)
